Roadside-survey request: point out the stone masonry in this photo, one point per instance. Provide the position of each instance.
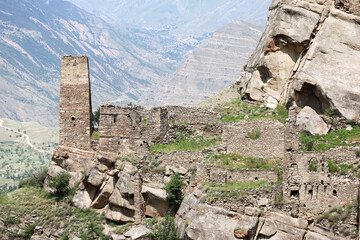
(75, 103)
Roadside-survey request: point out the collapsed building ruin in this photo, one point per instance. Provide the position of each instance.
(127, 133)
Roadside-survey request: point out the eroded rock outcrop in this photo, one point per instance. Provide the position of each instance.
(308, 55)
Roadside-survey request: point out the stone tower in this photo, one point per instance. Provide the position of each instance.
(75, 103)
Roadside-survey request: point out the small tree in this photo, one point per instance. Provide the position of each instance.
(173, 190)
(60, 184)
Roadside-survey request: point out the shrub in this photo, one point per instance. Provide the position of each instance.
(35, 179)
(254, 134)
(60, 184)
(28, 231)
(96, 135)
(313, 166)
(93, 231)
(173, 189)
(97, 115)
(332, 166)
(11, 220)
(357, 153)
(165, 230)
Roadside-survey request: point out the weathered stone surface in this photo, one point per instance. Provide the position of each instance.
(156, 204)
(75, 103)
(95, 176)
(268, 229)
(315, 236)
(119, 214)
(108, 161)
(105, 192)
(308, 56)
(309, 121)
(82, 199)
(137, 233)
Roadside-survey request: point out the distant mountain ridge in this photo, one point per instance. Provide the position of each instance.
(183, 17)
(127, 63)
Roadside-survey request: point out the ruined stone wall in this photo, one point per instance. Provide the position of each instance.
(307, 180)
(75, 103)
(128, 131)
(269, 145)
(191, 115)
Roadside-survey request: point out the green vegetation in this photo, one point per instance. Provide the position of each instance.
(336, 215)
(321, 143)
(357, 153)
(144, 121)
(173, 190)
(35, 179)
(343, 169)
(97, 115)
(313, 166)
(28, 231)
(17, 159)
(165, 230)
(240, 110)
(233, 190)
(20, 206)
(254, 134)
(235, 162)
(95, 135)
(133, 161)
(123, 228)
(187, 144)
(279, 200)
(60, 184)
(153, 165)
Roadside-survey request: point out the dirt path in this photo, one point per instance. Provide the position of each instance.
(26, 138)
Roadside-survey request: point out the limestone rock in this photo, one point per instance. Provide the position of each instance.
(105, 192)
(95, 176)
(307, 56)
(119, 214)
(108, 161)
(156, 204)
(309, 121)
(81, 199)
(137, 233)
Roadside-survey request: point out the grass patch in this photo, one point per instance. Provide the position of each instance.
(232, 190)
(337, 215)
(236, 162)
(357, 153)
(254, 134)
(238, 110)
(187, 144)
(343, 169)
(123, 228)
(133, 161)
(96, 135)
(51, 214)
(313, 166)
(322, 143)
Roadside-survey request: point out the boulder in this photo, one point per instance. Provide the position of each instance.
(156, 204)
(137, 233)
(119, 214)
(309, 121)
(95, 176)
(105, 192)
(81, 199)
(107, 161)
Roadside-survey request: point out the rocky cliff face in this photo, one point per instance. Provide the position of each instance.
(308, 55)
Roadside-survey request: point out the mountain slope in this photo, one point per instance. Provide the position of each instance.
(34, 36)
(213, 67)
(181, 16)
